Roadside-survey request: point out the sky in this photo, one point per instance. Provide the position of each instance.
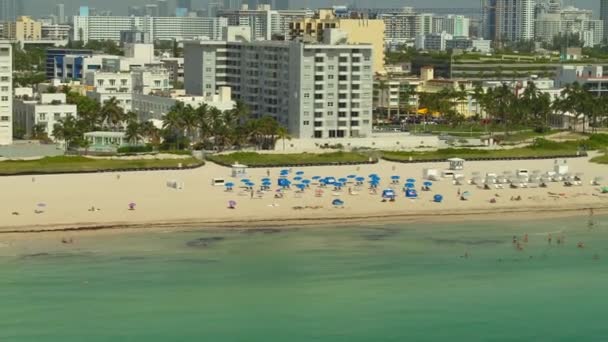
(42, 7)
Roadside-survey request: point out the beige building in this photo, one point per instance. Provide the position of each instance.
(367, 31)
(25, 28)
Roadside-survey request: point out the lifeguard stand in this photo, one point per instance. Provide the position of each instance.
(239, 170)
(456, 164)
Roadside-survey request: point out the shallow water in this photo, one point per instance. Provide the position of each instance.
(400, 282)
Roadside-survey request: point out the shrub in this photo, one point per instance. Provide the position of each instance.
(135, 149)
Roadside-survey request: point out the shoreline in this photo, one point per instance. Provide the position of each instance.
(424, 217)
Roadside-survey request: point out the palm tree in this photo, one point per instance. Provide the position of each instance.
(111, 113)
(67, 130)
(201, 115)
(283, 134)
(133, 132)
(149, 132)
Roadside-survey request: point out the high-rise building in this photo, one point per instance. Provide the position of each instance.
(232, 4)
(24, 28)
(151, 10)
(569, 20)
(163, 8)
(514, 20)
(604, 14)
(10, 9)
(488, 19)
(263, 21)
(136, 11)
(60, 13)
(213, 9)
(159, 28)
(315, 90)
(6, 93)
(187, 4)
(366, 31)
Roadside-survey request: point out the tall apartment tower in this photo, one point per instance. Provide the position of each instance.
(163, 8)
(10, 9)
(60, 13)
(6, 93)
(604, 13)
(514, 20)
(187, 4)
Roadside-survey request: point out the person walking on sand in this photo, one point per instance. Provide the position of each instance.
(268, 173)
(251, 193)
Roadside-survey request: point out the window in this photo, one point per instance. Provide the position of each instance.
(100, 83)
(366, 67)
(330, 77)
(4, 98)
(330, 113)
(356, 59)
(367, 58)
(318, 134)
(56, 116)
(112, 82)
(330, 104)
(306, 123)
(356, 68)
(330, 67)
(319, 87)
(343, 69)
(319, 59)
(42, 116)
(4, 118)
(343, 78)
(208, 69)
(318, 78)
(4, 88)
(123, 82)
(319, 69)
(157, 83)
(4, 79)
(208, 86)
(343, 59)
(306, 95)
(318, 123)
(318, 96)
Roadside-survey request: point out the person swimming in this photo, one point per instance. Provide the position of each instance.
(549, 238)
(580, 244)
(514, 239)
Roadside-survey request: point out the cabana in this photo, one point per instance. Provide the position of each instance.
(388, 194)
(411, 193)
(456, 164)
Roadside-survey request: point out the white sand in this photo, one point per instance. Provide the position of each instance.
(68, 198)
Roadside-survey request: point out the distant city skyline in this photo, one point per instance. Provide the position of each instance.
(119, 7)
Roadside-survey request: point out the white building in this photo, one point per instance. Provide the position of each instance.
(153, 107)
(263, 21)
(46, 111)
(468, 44)
(56, 32)
(148, 80)
(158, 28)
(402, 27)
(6, 93)
(433, 41)
(456, 25)
(175, 67)
(315, 90)
(514, 20)
(570, 20)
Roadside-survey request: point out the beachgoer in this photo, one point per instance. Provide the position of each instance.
(33, 179)
(526, 238)
(580, 245)
(268, 173)
(520, 247)
(549, 238)
(458, 192)
(514, 239)
(251, 193)
(118, 177)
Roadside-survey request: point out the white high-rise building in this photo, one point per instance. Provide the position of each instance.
(320, 90)
(604, 13)
(514, 20)
(60, 13)
(264, 21)
(570, 20)
(159, 28)
(405, 25)
(6, 93)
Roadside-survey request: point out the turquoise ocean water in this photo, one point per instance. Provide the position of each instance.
(402, 282)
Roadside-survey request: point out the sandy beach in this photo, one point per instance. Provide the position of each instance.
(65, 202)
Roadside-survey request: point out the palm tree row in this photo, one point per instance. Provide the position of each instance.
(212, 128)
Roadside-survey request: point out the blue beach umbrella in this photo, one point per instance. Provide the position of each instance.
(337, 202)
(410, 185)
(299, 173)
(351, 176)
(360, 179)
(330, 180)
(411, 180)
(316, 177)
(411, 193)
(306, 181)
(301, 186)
(245, 180)
(265, 179)
(297, 178)
(438, 198)
(427, 184)
(229, 186)
(343, 180)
